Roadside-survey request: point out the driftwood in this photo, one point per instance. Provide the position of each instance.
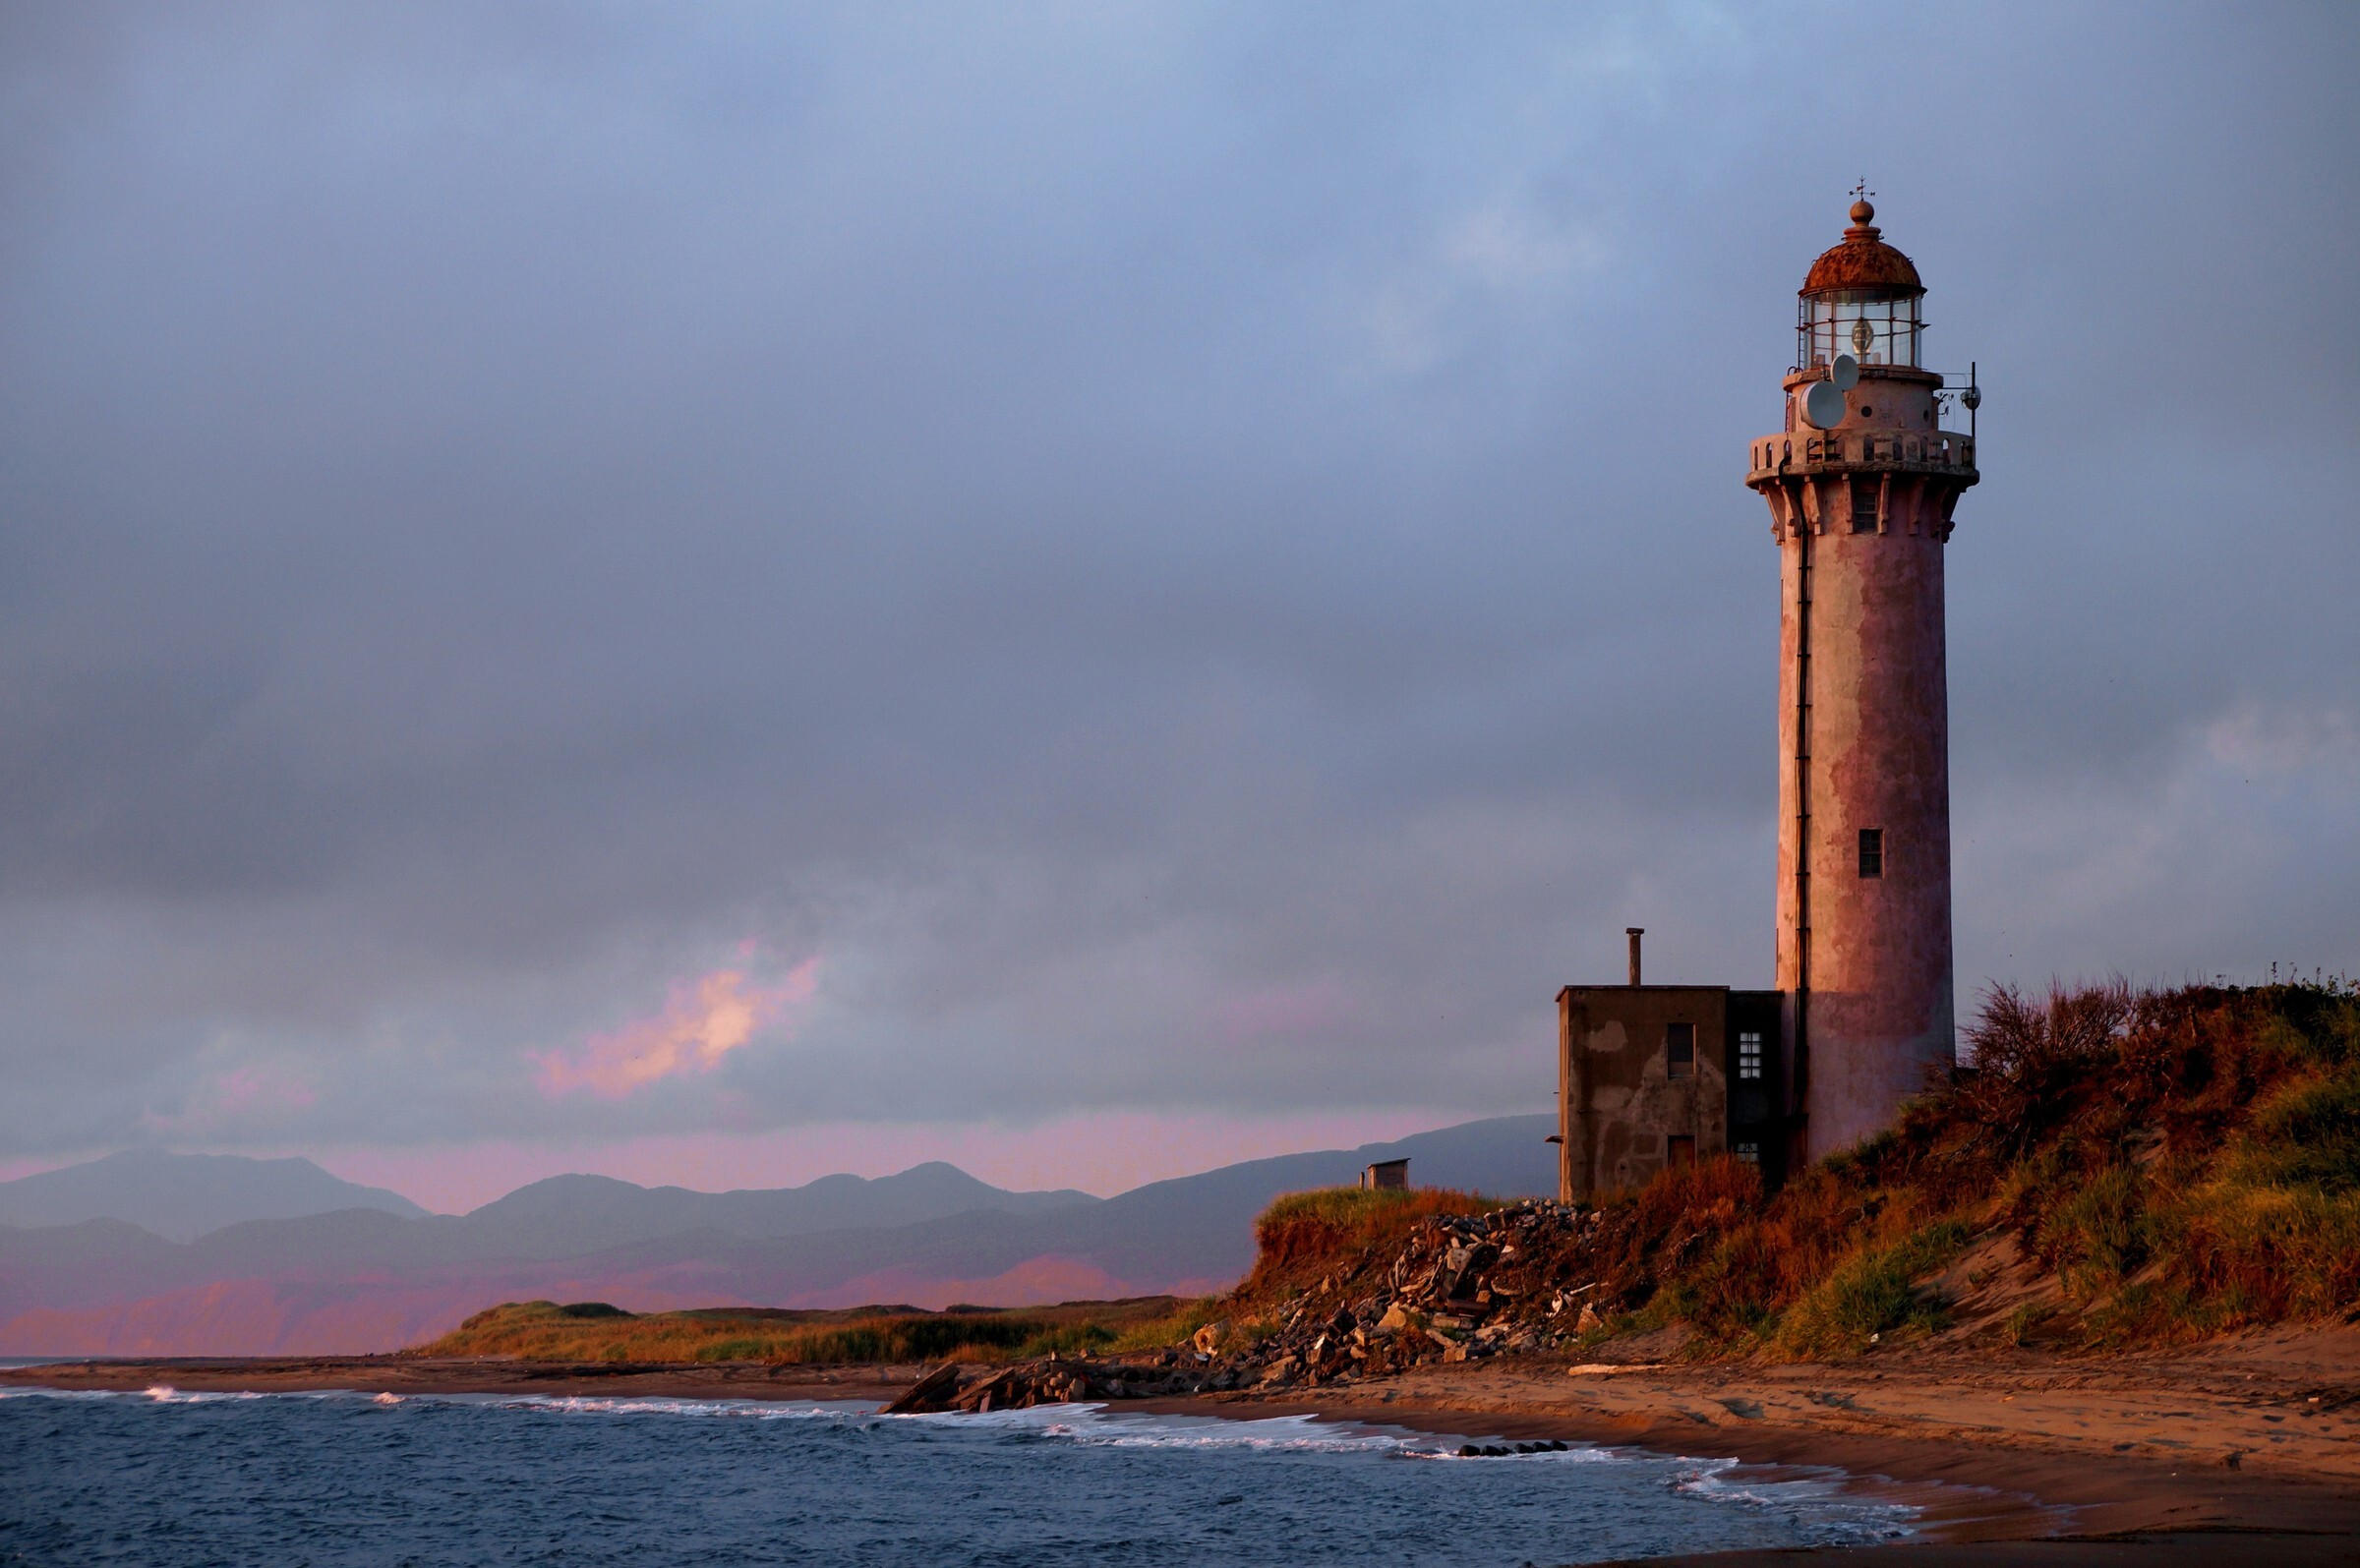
(1056, 1380)
(934, 1391)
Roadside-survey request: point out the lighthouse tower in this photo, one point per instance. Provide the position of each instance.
(1860, 484)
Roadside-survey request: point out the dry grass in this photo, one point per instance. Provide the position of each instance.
(1315, 1227)
(592, 1331)
(2181, 1162)
(1873, 1292)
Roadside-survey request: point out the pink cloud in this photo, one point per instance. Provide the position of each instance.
(253, 1094)
(1288, 1013)
(704, 1021)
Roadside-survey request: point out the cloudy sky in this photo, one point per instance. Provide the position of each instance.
(723, 593)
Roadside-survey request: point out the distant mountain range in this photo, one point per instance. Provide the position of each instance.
(181, 1196)
(375, 1272)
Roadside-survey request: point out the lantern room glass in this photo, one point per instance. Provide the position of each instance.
(1873, 325)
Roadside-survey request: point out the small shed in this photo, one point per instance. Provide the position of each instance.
(1385, 1174)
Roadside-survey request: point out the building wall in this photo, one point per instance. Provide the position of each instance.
(1618, 1108)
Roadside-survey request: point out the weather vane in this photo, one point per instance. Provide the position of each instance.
(1862, 190)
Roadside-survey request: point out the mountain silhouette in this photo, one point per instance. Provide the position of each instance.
(181, 1196)
(360, 1280)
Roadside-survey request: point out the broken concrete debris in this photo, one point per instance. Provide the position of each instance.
(1462, 1288)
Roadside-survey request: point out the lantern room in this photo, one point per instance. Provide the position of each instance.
(1861, 299)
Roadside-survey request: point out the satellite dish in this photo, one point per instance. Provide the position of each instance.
(1845, 373)
(1824, 405)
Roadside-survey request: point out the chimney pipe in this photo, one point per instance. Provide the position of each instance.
(1635, 933)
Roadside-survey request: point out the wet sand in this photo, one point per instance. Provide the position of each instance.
(2243, 1452)
(2246, 1452)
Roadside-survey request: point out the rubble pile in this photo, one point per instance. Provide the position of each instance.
(1459, 1287)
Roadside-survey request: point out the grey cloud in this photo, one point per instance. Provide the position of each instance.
(1095, 522)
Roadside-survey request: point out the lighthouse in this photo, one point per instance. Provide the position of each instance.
(1860, 483)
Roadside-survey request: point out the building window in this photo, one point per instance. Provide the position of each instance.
(1749, 1053)
(1863, 506)
(1683, 1151)
(1679, 1050)
(1873, 851)
(1750, 1153)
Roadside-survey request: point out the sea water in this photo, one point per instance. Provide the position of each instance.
(164, 1478)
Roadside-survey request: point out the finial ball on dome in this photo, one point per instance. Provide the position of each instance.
(1864, 261)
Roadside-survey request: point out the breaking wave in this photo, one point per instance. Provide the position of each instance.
(600, 1479)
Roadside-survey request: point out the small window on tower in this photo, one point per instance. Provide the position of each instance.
(1679, 1050)
(1680, 1152)
(1863, 506)
(1873, 851)
(1750, 1153)
(1749, 1053)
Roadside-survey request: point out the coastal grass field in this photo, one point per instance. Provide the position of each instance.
(594, 1331)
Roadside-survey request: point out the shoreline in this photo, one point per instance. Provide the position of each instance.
(2038, 1462)
(1979, 1505)
(2241, 1451)
(1949, 1506)
(487, 1374)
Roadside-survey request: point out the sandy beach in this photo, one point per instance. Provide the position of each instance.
(2247, 1452)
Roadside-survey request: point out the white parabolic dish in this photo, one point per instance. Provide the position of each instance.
(1824, 405)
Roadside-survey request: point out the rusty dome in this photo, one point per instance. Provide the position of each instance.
(1863, 261)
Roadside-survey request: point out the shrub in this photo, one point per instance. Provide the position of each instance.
(2097, 1238)
(2023, 1056)
(730, 1350)
(2259, 1255)
(1872, 1293)
(2307, 1135)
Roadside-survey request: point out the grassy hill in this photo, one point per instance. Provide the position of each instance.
(593, 1332)
(2116, 1170)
